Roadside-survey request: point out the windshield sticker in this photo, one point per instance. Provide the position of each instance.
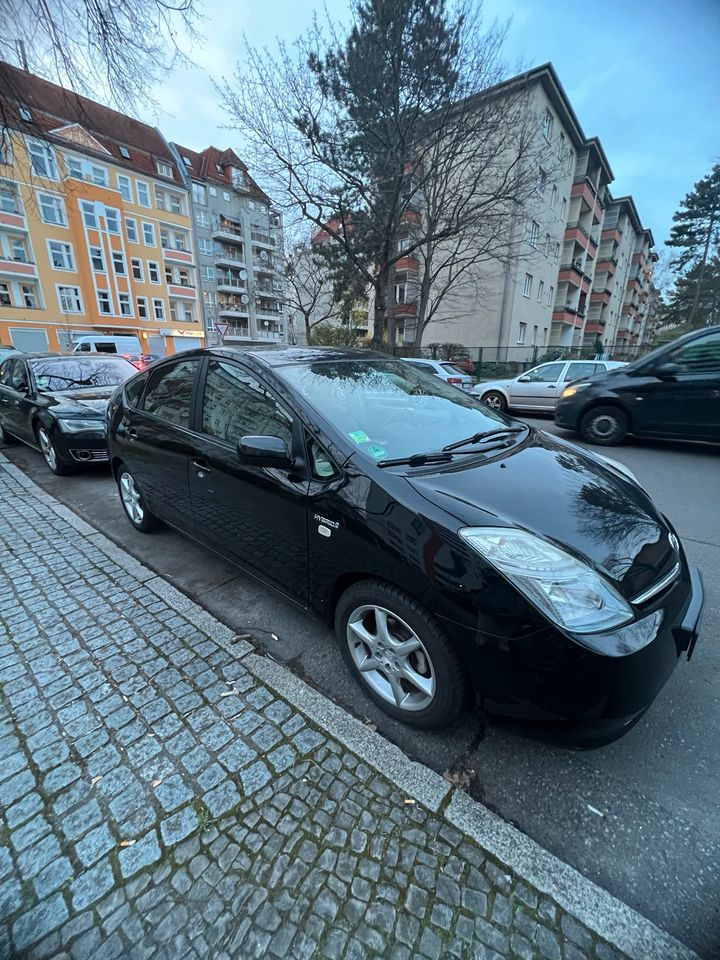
(375, 450)
(359, 436)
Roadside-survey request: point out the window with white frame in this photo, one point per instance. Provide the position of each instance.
(548, 245)
(131, 229)
(522, 330)
(168, 274)
(561, 146)
(212, 191)
(540, 182)
(97, 259)
(87, 208)
(148, 230)
(42, 159)
(153, 271)
(527, 285)
(70, 299)
(159, 309)
(143, 193)
(19, 249)
(142, 308)
(541, 291)
(52, 209)
(208, 273)
(176, 203)
(5, 298)
(205, 246)
(9, 198)
(125, 187)
(163, 168)
(125, 307)
(199, 193)
(80, 168)
(118, 260)
(112, 220)
(226, 196)
(137, 269)
(104, 301)
(202, 218)
(61, 255)
(6, 153)
(548, 122)
(29, 294)
(570, 161)
(551, 296)
(533, 233)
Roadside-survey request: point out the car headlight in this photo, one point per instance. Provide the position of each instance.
(566, 590)
(80, 426)
(572, 390)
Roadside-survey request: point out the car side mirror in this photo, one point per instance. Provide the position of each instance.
(264, 452)
(667, 371)
(524, 379)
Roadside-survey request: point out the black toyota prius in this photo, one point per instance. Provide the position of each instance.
(453, 549)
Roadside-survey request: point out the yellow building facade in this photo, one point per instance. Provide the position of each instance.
(93, 241)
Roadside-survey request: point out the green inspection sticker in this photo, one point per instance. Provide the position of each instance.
(375, 450)
(359, 436)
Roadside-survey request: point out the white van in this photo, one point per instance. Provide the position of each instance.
(126, 345)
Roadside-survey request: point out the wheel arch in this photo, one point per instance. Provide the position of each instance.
(606, 402)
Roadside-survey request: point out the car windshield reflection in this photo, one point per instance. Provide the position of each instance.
(68, 375)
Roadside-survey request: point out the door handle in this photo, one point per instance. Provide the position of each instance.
(132, 433)
(200, 466)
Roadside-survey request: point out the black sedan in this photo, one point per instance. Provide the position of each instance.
(57, 403)
(673, 392)
(451, 547)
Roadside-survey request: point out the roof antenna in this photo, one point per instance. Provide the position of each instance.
(20, 44)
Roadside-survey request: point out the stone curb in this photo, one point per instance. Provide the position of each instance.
(594, 907)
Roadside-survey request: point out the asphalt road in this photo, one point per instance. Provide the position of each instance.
(641, 817)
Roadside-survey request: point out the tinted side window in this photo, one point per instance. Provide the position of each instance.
(6, 373)
(169, 393)
(577, 370)
(700, 356)
(236, 405)
(134, 390)
(109, 347)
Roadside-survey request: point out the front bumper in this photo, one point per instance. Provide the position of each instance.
(87, 447)
(567, 412)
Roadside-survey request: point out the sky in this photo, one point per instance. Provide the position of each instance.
(642, 75)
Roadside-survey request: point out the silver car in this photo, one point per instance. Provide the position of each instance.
(540, 387)
(444, 369)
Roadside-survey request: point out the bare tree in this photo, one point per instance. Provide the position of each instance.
(111, 49)
(308, 286)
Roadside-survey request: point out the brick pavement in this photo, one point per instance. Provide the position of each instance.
(158, 800)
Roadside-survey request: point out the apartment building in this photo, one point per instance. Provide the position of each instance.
(95, 225)
(239, 247)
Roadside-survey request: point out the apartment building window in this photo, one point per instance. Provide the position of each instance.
(159, 309)
(199, 194)
(401, 292)
(112, 220)
(142, 308)
(535, 335)
(226, 196)
(561, 146)
(81, 169)
(119, 263)
(208, 273)
(168, 275)
(563, 208)
(527, 285)
(148, 230)
(570, 161)
(69, 299)
(557, 250)
(202, 218)
(29, 294)
(42, 159)
(540, 293)
(160, 201)
(205, 246)
(104, 301)
(52, 209)
(544, 334)
(548, 122)
(97, 259)
(176, 203)
(534, 233)
(164, 169)
(548, 245)
(9, 201)
(551, 296)
(522, 330)
(541, 182)
(5, 300)
(87, 208)
(131, 230)
(143, 193)
(6, 154)
(124, 301)
(124, 187)
(19, 252)
(212, 191)
(553, 197)
(153, 271)
(61, 255)
(136, 265)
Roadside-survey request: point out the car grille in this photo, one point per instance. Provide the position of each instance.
(662, 584)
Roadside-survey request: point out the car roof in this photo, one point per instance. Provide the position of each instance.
(93, 357)
(273, 357)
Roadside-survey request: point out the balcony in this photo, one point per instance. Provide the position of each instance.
(595, 326)
(262, 311)
(600, 296)
(237, 331)
(263, 239)
(18, 268)
(177, 256)
(182, 290)
(606, 265)
(229, 257)
(269, 334)
(229, 230)
(567, 315)
(407, 263)
(628, 309)
(13, 220)
(405, 310)
(611, 233)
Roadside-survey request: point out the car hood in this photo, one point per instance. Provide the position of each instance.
(81, 402)
(558, 491)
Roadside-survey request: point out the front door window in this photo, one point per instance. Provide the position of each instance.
(236, 405)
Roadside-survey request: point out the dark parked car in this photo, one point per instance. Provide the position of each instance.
(672, 392)
(57, 403)
(449, 545)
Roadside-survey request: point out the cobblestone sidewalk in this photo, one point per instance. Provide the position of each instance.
(158, 800)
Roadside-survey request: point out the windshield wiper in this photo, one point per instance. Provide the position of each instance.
(479, 437)
(417, 460)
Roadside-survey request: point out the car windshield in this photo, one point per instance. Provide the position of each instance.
(67, 374)
(389, 409)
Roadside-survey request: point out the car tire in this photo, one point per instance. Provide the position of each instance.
(6, 439)
(438, 693)
(604, 426)
(133, 504)
(495, 400)
(52, 457)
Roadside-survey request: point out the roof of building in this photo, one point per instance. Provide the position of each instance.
(61, 116)
(215, 166)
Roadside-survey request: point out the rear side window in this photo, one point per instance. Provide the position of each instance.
(169, 392)
(133, 391)
(451, 368)
(6, 372)
(700, 356)
(107, 347)
(577, 370)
